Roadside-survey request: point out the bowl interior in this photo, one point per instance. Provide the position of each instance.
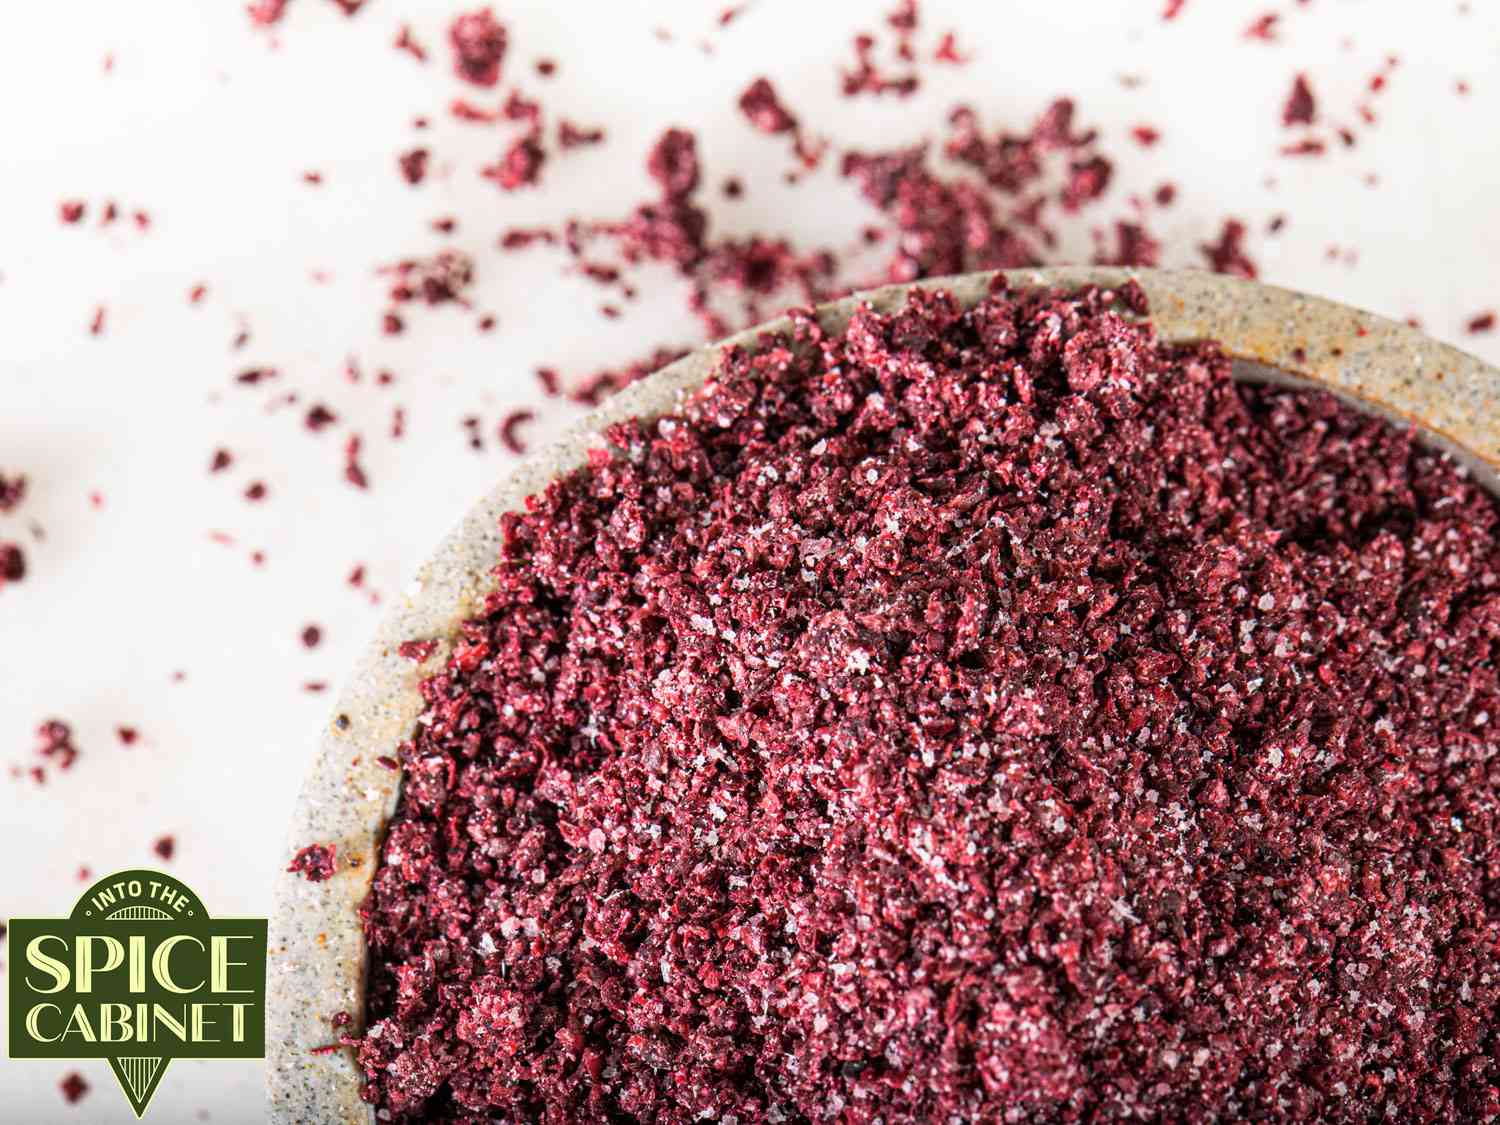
(317, 953)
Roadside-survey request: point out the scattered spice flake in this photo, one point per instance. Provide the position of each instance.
(314, 178)
(963, 753)
(519, 238)
(763, 109)
(264, 13)
(398, 423)
(319, 418)
(1145, 135)
(445, 224)
(487, 322)
(315, 687)
(165, 847)
(510, 430)
(1300, 108)
(220, 461)
(74, 1088)
(1134, 246)
(465, 110)
(311, 636)
(256, 491)
(197, 293)
(413, 164)
(550, 381)
(1484, 322)
(520, 165)
(253, 376)
(71, 210)
(354, 472)
(1264, 28)
(1309, 147)
(417, 652)
(601, 384)
(867, 78)
(55, 745)
(407, 41)
(1227, 255)
(12, 492)
(518, 107)
(128, 736)
(356, 577)
(1173, 10)
(1165, 194)
(478, 41)
(12, 563)
(470, 426)
(445, 277)
(948, 52)
(315, 863)
(96, 325)
(546, 67)
(571, 136)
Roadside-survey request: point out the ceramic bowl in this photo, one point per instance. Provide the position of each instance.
(317, 952)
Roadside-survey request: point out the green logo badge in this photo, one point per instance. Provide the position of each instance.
(138, 974)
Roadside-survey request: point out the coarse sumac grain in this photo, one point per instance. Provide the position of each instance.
(971, 716)
(413, 164)
(12, 563)
(73, 1087)
(478, 41)
(315, 863)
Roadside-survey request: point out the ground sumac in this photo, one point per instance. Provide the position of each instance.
(971, 716)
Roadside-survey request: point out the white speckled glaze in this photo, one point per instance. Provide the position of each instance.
(317, 952)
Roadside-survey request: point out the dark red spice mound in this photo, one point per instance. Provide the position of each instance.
(975, 716)
(315, 863)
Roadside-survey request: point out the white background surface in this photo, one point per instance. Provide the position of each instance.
(209, 124)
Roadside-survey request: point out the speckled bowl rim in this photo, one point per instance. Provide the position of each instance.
(317, 952)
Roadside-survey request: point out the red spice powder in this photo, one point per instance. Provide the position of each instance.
(315, 863)
(407, 41)
(1264, 28)
(974, 715)
(416, 651)
(764, 110)
(1227, 255)
(165, 847)
(55, 747)
(1301, 107)
(12, 563)
(1484, 322)
(73, 1087)
(510, 429)
(413, 164)
(520, 165)
(354, 471)
(478, 41)
(12, 492)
